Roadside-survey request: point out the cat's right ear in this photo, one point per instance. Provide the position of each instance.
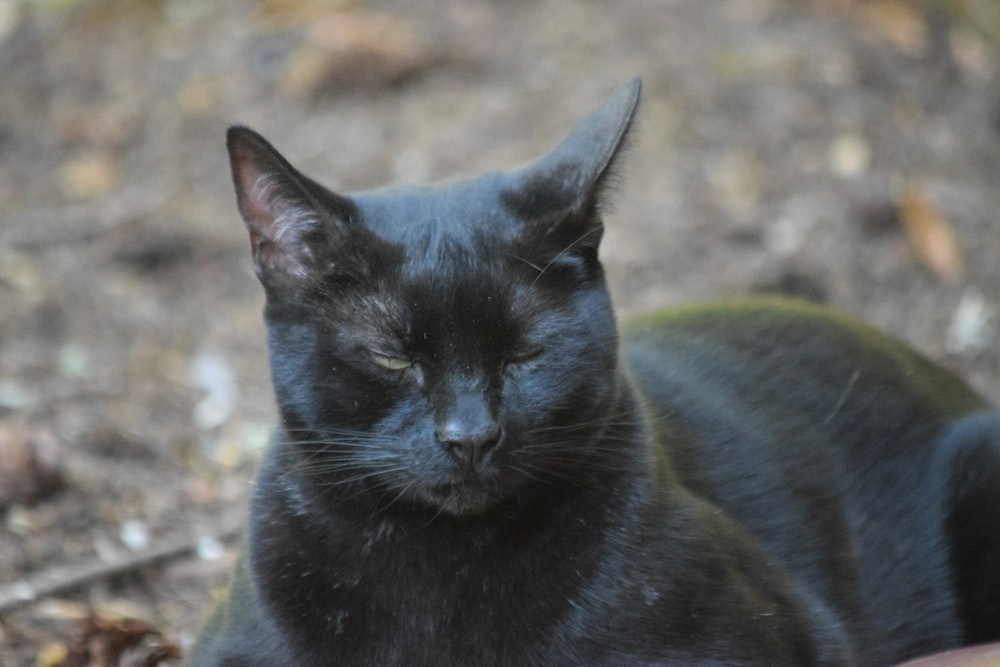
(560, 195)
(293, 222)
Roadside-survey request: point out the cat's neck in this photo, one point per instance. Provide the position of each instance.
(419, 563)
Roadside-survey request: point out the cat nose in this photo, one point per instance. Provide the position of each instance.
(469, 446)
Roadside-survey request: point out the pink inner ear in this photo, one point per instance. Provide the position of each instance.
(258, 206)
(273, 213)
(254, 194)
(276, 221)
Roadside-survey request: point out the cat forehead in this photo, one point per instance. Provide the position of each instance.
(462, 214)
(458, 247)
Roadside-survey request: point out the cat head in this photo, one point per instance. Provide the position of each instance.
(450, 347)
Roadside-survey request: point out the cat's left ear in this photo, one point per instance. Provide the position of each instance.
(297, 227)
(559, 195)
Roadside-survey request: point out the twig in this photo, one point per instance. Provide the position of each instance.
(62, 578)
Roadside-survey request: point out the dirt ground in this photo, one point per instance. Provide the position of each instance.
(847, 151)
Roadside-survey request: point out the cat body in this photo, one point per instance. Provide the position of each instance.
(474, 467)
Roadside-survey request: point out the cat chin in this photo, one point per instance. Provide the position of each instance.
(461, 499)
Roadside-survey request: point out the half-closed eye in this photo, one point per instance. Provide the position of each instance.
(390, 362)
(523, 355)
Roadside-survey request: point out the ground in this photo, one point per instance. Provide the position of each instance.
(847, 151)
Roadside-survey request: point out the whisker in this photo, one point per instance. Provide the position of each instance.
(362, 476)
(526, 261)
(565, 250)
(398, 496)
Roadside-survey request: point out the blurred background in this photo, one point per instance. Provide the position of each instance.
(845, 151)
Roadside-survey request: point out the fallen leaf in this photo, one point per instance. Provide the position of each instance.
(198, 97)
(60, 610)
(104, 641)
(52, 655)
(351, 51)
(31, 464)
(90, 175)
(901, 23)
(287, 12)
(931, 235)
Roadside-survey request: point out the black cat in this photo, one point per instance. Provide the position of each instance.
(472, 471)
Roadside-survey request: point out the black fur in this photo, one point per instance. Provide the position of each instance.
(471, 470)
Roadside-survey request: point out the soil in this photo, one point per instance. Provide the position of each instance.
(846, 151)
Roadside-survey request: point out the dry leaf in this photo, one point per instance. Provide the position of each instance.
(52, 655)
(899, 22)
(198, 97)
(355, 51)
(31, 464)
(90, 175)
(931, 235)
(289, 11)
(107, 642)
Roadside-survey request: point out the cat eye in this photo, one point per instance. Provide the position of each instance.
(390, 362)
(521, 356)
